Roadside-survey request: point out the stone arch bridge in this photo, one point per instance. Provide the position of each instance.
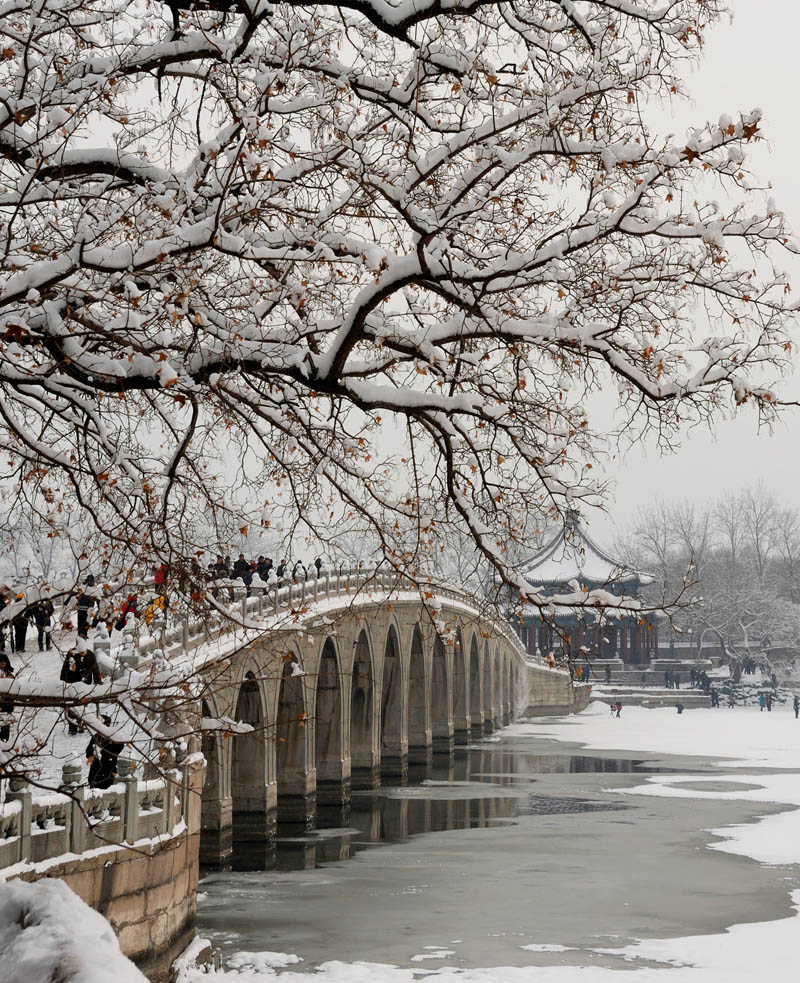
(372, 678)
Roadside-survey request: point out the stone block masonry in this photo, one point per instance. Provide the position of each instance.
(147, 889)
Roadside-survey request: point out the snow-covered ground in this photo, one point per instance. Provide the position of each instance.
(48, 935)
(755, 747)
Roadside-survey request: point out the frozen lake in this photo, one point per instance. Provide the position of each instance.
(530, 840)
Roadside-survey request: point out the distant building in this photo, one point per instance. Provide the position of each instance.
(572, 558)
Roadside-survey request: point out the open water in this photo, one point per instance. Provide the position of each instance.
(515, 841)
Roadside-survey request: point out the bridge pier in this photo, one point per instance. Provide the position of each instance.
(394, 761)
(366, 775)
(297, 799)
(216, 833)
(443, 740)
(254, 817)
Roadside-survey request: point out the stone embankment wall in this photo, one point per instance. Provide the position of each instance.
(147, 888)
(551, 691)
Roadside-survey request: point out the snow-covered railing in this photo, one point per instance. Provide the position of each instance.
(36, 826)
(298, 599)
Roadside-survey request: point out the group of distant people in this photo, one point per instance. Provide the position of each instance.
(223, 568)
(41, 614)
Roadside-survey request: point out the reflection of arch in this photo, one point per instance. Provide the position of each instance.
(441, 726)
(362, 697)
(418, 743)
(393, 748)
(488, 701)
(215, 819)
(476, 716)
(461, 701)
(332, 789)
(295, 799)
(249, 771)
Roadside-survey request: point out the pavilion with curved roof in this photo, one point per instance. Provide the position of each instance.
(571, 557)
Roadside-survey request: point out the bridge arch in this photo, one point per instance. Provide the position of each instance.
(216, 820)
(394, 711)
(332, 777)
(441, 699)
(461, 694)
(488, 689)
(419, 734)
(252, 824)
(295, 779)
(364, 769)
(506, 688)
(475, 711)
(497, 688)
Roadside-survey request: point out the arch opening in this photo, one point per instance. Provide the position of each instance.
(488, 690)
(441, 718)
(253, 824)
(295, 785)
(475, 709)
(419, 741)
(364, 769)
(394, 742)
(461, 691)
(333, 785)
(216, 820)
(497, 690)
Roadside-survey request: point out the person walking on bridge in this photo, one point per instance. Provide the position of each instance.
(43, 617)
(6, 705)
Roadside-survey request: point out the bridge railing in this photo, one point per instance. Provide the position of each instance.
(298, 598)
(37, 825)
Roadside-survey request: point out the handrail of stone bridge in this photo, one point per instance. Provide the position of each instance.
(300, 597)
(38, 825)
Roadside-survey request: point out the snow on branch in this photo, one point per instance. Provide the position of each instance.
(266, 268)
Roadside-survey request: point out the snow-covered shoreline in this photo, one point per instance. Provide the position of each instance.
(750, 749)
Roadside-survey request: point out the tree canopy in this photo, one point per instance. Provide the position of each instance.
(282, 263)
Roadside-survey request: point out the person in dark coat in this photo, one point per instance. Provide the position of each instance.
(71, 673)
(6, 705)
(796, 706)
(85, 604)
(89, 669)
(280, 573)
(102, 753)
(43, 616)
(318, 565)
(242, 569)
(19, 628)
(3, 625)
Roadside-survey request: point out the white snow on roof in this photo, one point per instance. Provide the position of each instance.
(571, 555)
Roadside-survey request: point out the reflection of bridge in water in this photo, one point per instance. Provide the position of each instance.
(472, 788)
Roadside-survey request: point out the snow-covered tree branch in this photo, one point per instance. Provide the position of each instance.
(301, 261)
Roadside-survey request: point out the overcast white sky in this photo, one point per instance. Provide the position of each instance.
(752, 62)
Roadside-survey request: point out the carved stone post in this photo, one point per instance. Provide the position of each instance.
(20, 791)
(126, 769)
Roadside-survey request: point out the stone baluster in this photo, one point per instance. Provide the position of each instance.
(126, 769)
(102, 647)
(75, 821)
(20, 791)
